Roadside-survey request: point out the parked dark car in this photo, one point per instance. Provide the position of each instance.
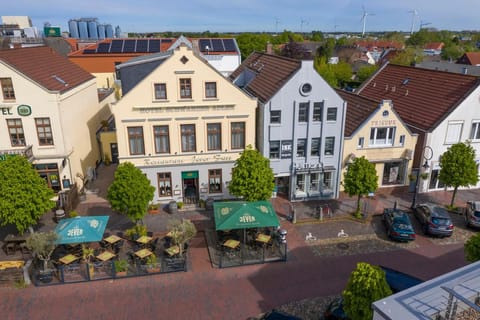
(278, 315)
(472, 214)
(434, 219)
(397, 281)
(398, 224)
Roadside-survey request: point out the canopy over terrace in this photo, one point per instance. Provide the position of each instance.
(243, 215)
(81, 229)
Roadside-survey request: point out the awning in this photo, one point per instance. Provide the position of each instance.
(189, 174)
(242, 215)
(81, 229)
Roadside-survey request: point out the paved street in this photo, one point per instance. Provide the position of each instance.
(205, 292)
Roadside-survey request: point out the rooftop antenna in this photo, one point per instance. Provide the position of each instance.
(276, 25)
(364, 19)
(414, 17)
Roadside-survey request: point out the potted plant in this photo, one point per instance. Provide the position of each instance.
(153, 208)
(180, 204)
(424, 175)
(136, 231)
(182, 232)
(104, 125)
(87, 255)
(42, 245)
(73, 214)
(121, 267)
(107, 160)
(152, 264)
(202, 203)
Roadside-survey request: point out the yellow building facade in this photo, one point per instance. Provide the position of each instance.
(375, 131)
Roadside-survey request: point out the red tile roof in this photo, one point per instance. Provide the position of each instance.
(422, 97)
(434, 46)
(46, 67)
(358, 110)
(271, 73)
(472, 58)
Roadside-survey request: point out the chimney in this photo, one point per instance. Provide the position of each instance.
(269, 48)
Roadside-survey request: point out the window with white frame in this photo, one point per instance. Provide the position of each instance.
(135, 140)
(328, 181)
(315, 182)
(7, 88)
(454, 132)
(301, 144)
(274, 150)
(383, 136)
(303, 112)
(331, 114)
(329, 146)
(475, 133)
(317, 111)
(315, 147)
(402, 140)
(185, 88)
(300, 183)
(275, 116)
(238, 135)
(160, 91)
(361, 142)
(44, 131)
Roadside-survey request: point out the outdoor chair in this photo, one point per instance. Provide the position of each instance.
(24, 248)
(120, 234)
(149, 234)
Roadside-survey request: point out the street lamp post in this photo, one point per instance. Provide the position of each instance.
(425, 167)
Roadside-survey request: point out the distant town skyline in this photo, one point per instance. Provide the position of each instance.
(255, 15)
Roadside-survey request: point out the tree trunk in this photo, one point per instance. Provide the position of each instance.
(453, 196)
(357, 211)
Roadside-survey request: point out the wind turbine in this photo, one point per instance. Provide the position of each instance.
(364, 19)
(414, 17)
(423, 24)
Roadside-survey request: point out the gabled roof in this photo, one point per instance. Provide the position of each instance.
(472, 58)
(434, 46)
(46, 67)
(422, 97)
(271, 72)
(359, 109)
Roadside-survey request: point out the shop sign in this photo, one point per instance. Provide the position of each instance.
(307, 166)
(286, 149)
(24, 110)
(6, 111)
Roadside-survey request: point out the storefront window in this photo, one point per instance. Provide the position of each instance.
(164, 184)
(215, 181)
(315, 182)
(393, 173)
(49, 172)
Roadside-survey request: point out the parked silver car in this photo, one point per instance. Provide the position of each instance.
(434, 219)
(472, 214)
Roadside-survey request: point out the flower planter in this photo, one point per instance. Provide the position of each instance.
(121, 274)
(153, 270)
(154, 211)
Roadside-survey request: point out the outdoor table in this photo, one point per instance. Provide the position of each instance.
(112, 239)
(105, 256)
(143, 253)
(231, 243)
(144, 239)
(69, 258)
(263, 238)
(173, 250)
(14, 239)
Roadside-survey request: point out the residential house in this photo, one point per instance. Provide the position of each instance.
(433, 48)
(50, 113)
(374, 130)
(100, 58)
(300, 123)
(453, 295)
(182, 123)
(443, 108)
(450, 67)
(470, 58)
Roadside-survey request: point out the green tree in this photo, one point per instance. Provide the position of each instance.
(367, 284)
(458, 167)
(452, 52)
(42, 245)
(360, 179)
(407, 57)
(365, 72)
(130, 192)
(25, 195)
(472, 248)
(252, 177)
(326, 71)
(250, 42)
(294, 50)
(182, 232)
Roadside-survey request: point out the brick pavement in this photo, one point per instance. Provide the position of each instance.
(234, 293)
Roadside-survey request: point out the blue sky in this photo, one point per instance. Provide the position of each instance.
(253, 15)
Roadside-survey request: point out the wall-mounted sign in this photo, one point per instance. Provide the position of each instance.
(6, 111)
(24, 110)
(286, 149)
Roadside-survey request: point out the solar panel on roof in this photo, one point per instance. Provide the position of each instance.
(103, 47)
(116, 46)
(204, 44)
(229, 45)
(142, 46)
(129, 46)
(217, 45)
(89, 51)
(154, 45)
